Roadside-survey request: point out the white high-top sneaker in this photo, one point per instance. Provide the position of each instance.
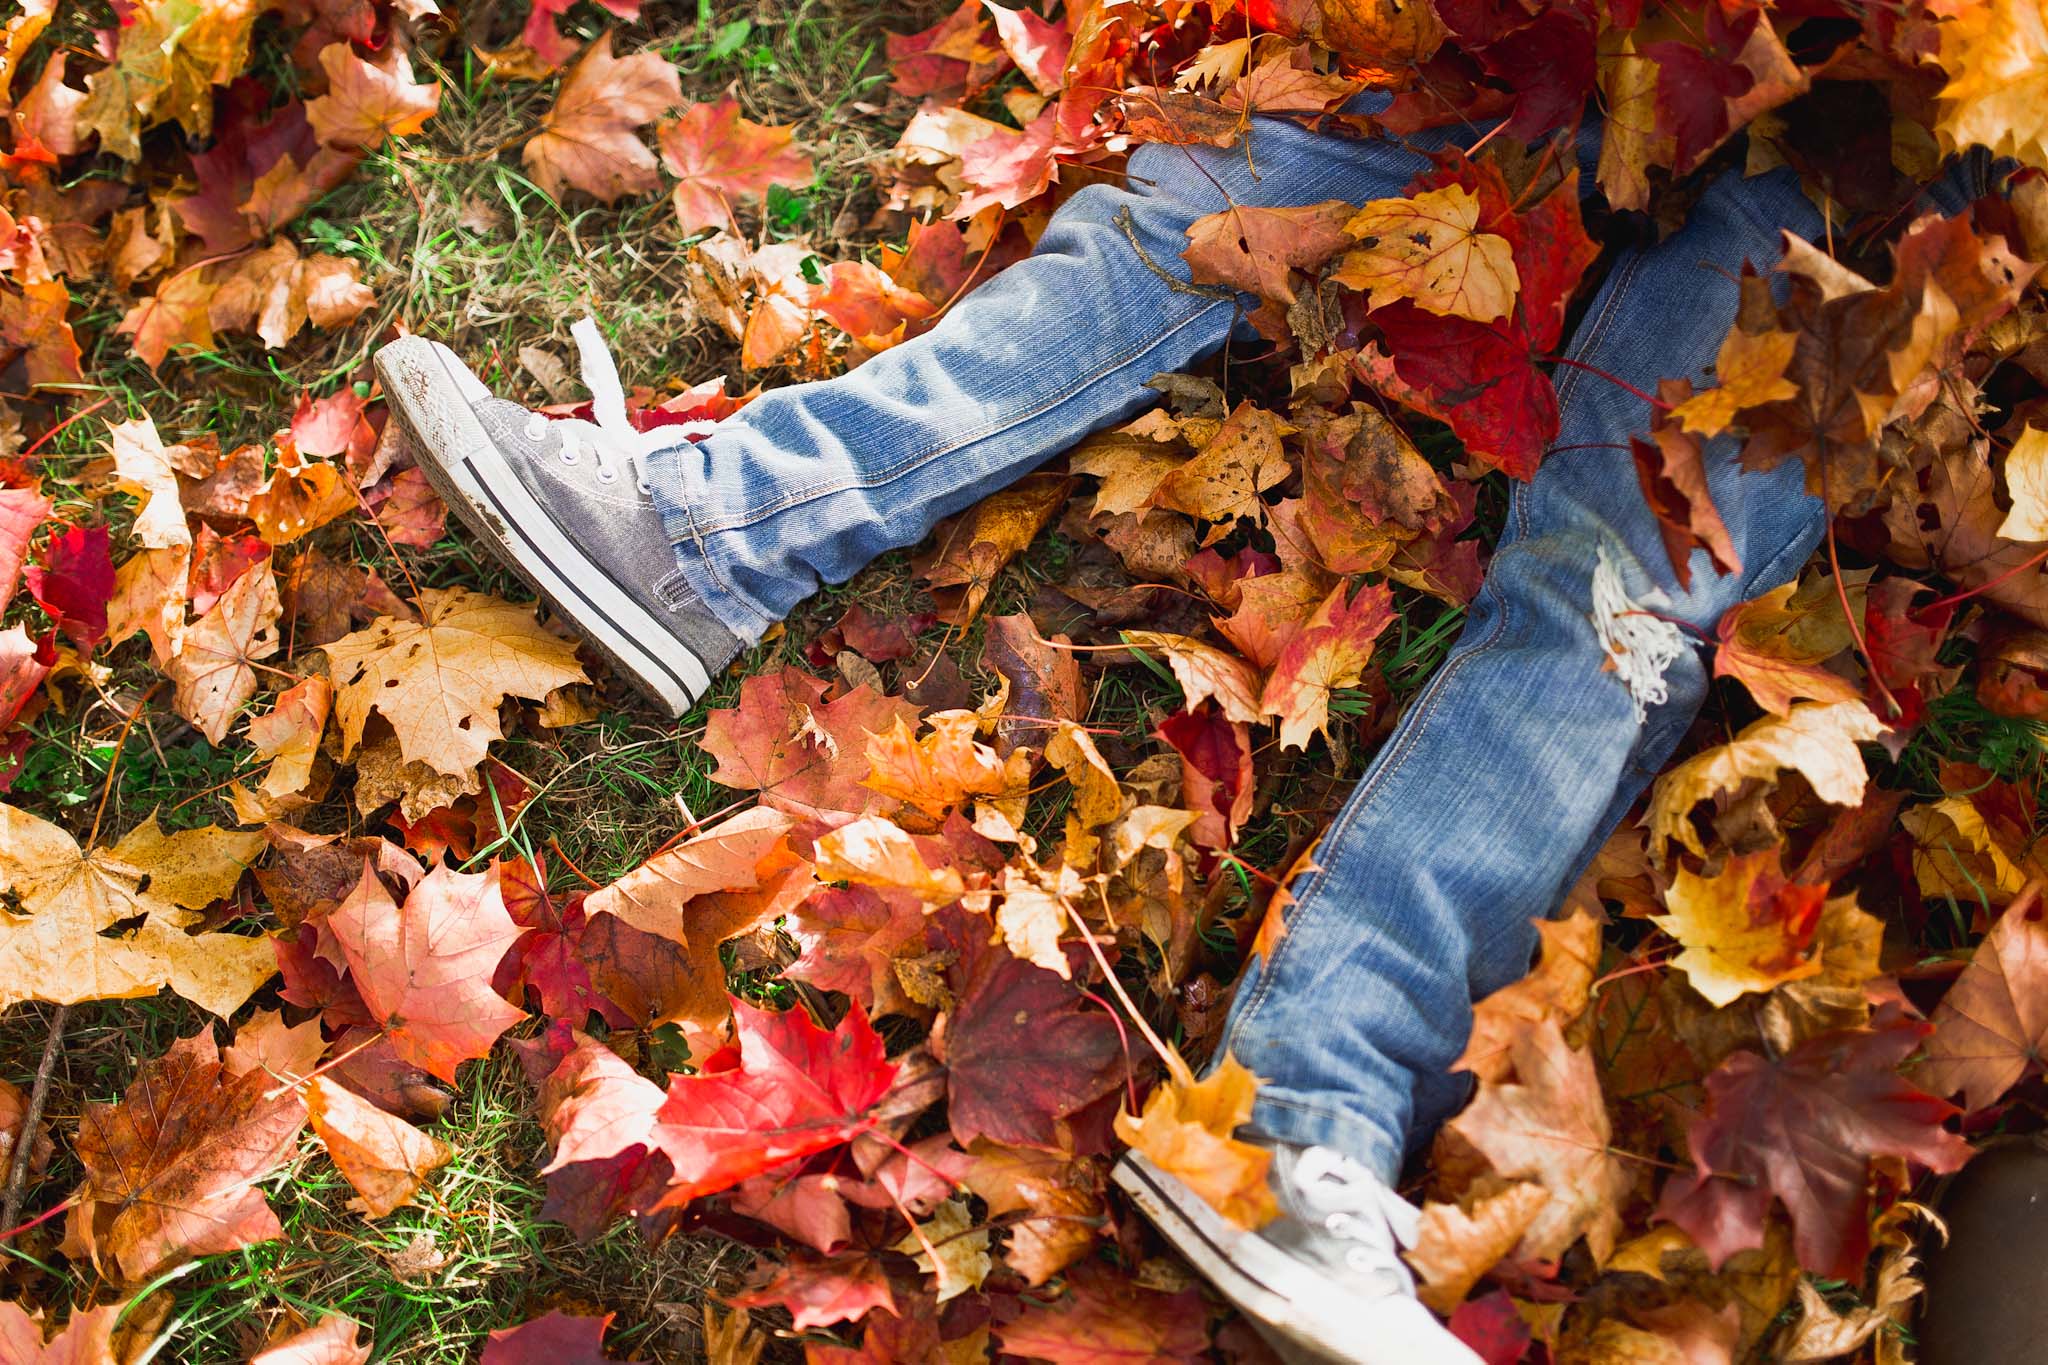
(1324, 1282)
(565, 504)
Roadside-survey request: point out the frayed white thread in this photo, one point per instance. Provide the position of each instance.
(1640, 645)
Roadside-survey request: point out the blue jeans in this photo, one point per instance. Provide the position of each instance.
(1514, 762)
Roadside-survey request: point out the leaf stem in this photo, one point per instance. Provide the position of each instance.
(114, 765)
(1842, 595)
(1966, 594)
(1614, 379)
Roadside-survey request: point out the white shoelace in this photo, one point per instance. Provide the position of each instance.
(611, 440)
(1351, 1203)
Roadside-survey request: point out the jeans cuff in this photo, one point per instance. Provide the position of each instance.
(665, 481)
(1307, 1125)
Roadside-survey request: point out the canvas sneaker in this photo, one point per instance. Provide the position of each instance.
(565, 503)
(1324, 1282)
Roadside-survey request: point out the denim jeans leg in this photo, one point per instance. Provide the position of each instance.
(812, 481)
(1475, 815)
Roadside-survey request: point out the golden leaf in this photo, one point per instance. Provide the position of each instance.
(1429, 250)
(439, 680)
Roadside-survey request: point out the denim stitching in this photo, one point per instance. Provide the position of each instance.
(910, 464)
(1360, 796)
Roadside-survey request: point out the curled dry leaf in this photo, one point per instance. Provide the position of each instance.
(1188, 1130)
(1818, 740)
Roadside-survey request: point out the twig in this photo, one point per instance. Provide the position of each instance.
(1222, 293)
(17, 1176)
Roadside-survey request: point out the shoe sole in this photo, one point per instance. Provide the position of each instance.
(425, 388)
(1216, 1248)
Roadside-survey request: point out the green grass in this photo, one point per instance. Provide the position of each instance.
(607, 793)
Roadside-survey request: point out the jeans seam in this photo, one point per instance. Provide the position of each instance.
(1592, 337)
(1356, 803)
(912, 463)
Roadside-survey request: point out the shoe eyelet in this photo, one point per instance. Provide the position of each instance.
(607, 476)
(568, 457)
(646, 489)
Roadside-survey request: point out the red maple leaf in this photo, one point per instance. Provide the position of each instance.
(547, 41)
(850, 938)
(1545, 56)
(71, 579)
(1023, 1048)
(1802, 1129)
(1037, 47)
(556, 1339)
(424, 968)
(948, 61)
(1106, 1316)
(21, 511)
(819, 1291)
(717, 155)
(803, 754)
(1215, 773)
(797, 1089)
(1481, 377)
(263, 168)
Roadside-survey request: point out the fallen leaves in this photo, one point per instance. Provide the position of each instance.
(438, 681)
(589, 140)
(1745, 929)
(424, 965)
(1430, 249)
(717, 154)
(170, 1172)
(1801, 1130)
(794, 1089)
(951, 846)
(1992, 53)
(1816, 739)
(1989, 1029)
(64, 946)
(1187, 1130)
(366, 102)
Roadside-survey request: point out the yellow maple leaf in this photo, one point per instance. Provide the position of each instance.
(1429, 250)
(1186, 1131)
(950, 1248)
(170, 55)
(944, 769)
(58, 949)
(1818, 740)
(877, 852)
(2026, 478)
(1751, 370)
(439, 680)
(1745, 929)
(1996, 56)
